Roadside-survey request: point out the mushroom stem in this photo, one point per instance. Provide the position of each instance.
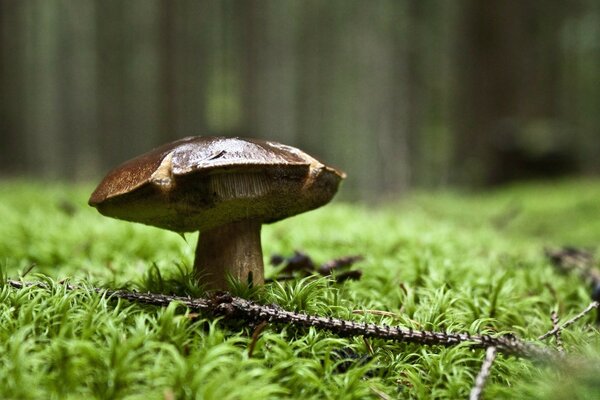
(230, 250)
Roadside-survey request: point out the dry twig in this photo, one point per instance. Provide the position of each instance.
(484, 372)
(28, 269)
(255, 335)
(369, 346)
(556, 329)
(554, 319)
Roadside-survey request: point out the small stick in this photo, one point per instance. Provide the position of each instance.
(368, 345)
(28, 269)
(484, 372)
(554, 319)
(257, 331)
(590, 307)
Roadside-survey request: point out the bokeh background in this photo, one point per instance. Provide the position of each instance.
(399, 94)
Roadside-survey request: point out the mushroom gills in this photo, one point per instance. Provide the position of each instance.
(227, 186)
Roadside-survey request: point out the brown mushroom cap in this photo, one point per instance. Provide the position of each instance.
(198, 183)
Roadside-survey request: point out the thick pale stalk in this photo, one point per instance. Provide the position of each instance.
(230, 250)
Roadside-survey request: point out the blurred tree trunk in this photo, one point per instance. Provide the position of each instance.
(268, 31)
(142, 74)
(112, 91)
(183, 68)
(431, 31)
(12, 79)
(494, 46)
(128, 75)
(222, 65)
(170, 21)
(314, 46)
(78, 89)
(43, 106)
(398, 94)
(380, 103)
(509, 76)
(580, 83)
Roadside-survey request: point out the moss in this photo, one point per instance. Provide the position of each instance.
(444, 261)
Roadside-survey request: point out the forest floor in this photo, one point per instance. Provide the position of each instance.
(438, 261)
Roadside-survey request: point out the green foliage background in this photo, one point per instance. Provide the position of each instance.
(438, 261)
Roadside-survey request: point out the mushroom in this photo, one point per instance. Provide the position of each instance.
(226, 188)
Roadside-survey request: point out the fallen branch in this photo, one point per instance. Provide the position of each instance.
(554, 319)
(235, 308)
(484, 372)
(556, 329)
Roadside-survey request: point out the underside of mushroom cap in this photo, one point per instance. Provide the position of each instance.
(198, 183)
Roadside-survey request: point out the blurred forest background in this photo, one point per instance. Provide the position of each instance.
(399, 94)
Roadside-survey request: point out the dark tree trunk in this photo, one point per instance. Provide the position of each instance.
(509, 88)
(12, 131)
